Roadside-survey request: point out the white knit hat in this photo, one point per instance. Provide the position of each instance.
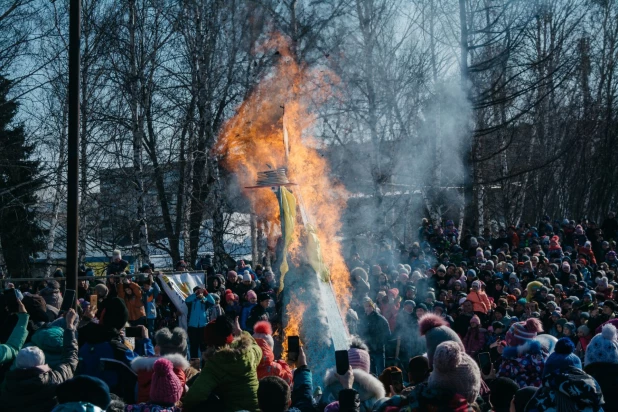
(603, 348)
(29, 357)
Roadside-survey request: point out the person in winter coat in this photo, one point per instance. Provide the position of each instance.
(51, 294)
(453, 385)
(165, 390)
(360, 284)
(368, 386)
(568, 389)
(31, 385)
(15, 342)
(259, 312)
(251, 301)
(375, 331)
(480, 301)
(131, 293)
(601, 361)
(216, 284)
(198, 304)
(475, 338)
(50, 339)
(523, 359)
(172, 346)
(106, 340)
(262, 333)
(274, 393)
(150, 293)
(230, 370)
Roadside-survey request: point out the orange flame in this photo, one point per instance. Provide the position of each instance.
(253, 139)
(294, 311)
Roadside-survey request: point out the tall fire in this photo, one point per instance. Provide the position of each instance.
(253, 141)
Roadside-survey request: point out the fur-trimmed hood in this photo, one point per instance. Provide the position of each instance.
(531, 347)
(367, 386)
(234, 350)
(144, 363)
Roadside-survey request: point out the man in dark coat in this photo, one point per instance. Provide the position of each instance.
(376, 333)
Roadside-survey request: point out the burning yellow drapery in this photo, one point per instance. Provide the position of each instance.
(288, 216)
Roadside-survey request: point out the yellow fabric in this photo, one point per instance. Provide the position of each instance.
(314, 254)
(288, 210)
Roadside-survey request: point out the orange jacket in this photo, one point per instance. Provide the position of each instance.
(269, 366)
(480, 301)
(134, 303)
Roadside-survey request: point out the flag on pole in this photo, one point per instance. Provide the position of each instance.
(178, 287)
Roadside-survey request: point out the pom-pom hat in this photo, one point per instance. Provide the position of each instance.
(562, 357)
(436, 330)
(454, 370)
(264, 330)
(521, 332)
(603, 348)
(165, 387)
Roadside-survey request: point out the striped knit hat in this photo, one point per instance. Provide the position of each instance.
(521, 332)
(359, 359)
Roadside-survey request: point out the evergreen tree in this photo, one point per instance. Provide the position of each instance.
(20, 236)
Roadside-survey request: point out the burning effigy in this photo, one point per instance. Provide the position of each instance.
(269, 146)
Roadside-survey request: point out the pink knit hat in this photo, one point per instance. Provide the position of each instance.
(251, 294)
(475, 319)
(359, 359)
(165, 387)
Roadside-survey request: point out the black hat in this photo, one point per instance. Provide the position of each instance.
(263, 296)
(611, 304)
(115, 315)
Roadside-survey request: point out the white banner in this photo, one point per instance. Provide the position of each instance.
(177, 287)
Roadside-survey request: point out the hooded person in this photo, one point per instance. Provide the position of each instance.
(601, 361)
(172, 345)
(262, 333)
(568, 389)
(165, 392)
(523, 359)
(31, 384)
(51, 294)
(369, 388)
(230, 370)
(436, 330)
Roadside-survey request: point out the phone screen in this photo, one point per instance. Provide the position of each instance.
(68, 301)
(133, 332)
(11, 299)
(485, 362)
(94, 300)
(293, 348)
(342, 361)
(397, 378)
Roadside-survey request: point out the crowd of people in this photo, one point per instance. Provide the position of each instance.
(518, 320)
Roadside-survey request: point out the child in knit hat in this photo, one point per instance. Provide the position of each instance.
(475, 338)
(165, 390)
(601, 361)
(523, 359)
(562, 357)
(584, 337)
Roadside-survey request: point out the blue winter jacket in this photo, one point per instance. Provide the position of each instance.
(198, 317)
(149, 299)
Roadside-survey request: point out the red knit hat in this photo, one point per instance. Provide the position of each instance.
(165, 387)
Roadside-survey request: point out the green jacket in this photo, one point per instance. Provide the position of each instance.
(230, 373)
(9, 350)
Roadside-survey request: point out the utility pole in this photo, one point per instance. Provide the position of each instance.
(73, 146)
